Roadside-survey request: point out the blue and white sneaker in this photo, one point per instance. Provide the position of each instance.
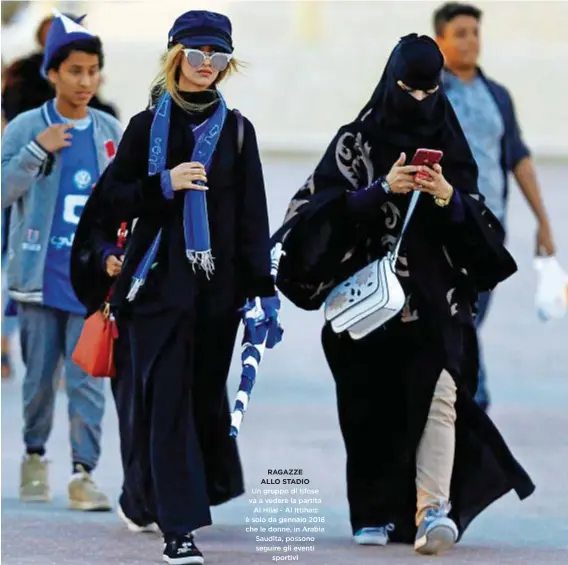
(437, 532)
(373, 536)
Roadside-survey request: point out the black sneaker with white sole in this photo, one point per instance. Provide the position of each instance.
(182, 551)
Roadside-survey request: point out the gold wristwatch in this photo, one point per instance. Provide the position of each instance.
(442, 202)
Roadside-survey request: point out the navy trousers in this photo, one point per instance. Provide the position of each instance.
(182, 458)
(136, 498)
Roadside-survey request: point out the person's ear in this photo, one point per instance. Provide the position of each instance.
(440, 42)
(52, 76)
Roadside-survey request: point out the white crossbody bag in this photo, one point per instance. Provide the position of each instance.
(370, 297)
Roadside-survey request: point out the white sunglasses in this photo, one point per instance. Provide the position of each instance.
(196, 58)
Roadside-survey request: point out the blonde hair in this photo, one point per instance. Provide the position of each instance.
(168, 77)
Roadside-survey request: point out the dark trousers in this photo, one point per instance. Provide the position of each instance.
(136, 498)
(180, 369)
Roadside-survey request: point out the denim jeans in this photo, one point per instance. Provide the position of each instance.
(482, 395)
(47, 334)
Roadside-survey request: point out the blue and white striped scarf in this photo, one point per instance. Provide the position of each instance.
(195, 220)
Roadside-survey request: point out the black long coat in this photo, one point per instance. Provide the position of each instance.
(239, 230)
(385, 382)
(236, 204)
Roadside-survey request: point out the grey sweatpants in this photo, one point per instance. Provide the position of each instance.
(47, 334)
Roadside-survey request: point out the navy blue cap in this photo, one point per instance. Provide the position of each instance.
(198, 28)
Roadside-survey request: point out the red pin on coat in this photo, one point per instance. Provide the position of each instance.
(110, 148)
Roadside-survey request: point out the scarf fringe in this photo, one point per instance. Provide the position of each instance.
(134, 288)
(202, 260)
(198, 259)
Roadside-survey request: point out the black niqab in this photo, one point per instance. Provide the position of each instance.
(394, 121)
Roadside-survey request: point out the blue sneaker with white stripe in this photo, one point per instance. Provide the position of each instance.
(373, 536)
(437, 532)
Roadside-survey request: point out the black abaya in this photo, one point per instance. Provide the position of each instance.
(384, 392)
(385, 382)
(181, 327)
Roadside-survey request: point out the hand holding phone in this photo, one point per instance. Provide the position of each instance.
(400, 178)
(427, 158)
(432, 182)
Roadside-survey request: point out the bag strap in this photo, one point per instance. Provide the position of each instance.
(122, 233)
(409, 212)
(240, 130)
(291, 223)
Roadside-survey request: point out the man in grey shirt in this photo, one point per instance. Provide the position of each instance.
(487, 115)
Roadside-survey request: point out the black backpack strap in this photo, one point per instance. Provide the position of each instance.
(240, 130)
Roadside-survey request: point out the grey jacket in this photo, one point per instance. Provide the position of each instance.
(31, 187)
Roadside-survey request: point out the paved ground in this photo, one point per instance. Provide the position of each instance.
(529, 380)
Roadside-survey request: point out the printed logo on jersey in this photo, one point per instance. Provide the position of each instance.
(73, 207)
(32, 241)
(32, 236)
(83, 179)
(59, 242)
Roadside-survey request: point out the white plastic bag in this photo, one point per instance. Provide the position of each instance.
(551, 298)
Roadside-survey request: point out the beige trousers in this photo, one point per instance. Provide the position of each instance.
(435, 454)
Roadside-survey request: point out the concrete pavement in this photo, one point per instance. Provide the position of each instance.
(292, 423)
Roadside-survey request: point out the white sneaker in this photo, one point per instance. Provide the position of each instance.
(437, 532)
(134, 527)
(373, 536)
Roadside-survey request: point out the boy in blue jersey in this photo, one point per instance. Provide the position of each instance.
(51, 157)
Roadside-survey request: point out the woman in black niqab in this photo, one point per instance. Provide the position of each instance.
(395, 121)
(414, 437)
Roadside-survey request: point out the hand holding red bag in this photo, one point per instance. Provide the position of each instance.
(94, 351)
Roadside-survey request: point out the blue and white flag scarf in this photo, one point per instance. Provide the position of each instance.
(195, 220)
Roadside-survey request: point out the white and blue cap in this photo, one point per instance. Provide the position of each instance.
(63, 31)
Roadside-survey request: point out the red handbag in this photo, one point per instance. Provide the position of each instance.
(94, 351)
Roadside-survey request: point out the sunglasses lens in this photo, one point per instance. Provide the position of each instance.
(195, 58)
(220, 61)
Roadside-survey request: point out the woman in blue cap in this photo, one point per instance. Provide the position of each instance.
(199, 249)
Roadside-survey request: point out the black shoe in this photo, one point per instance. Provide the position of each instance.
(182, 551)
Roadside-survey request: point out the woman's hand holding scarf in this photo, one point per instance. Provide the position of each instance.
(186, 175)
(261, 321)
